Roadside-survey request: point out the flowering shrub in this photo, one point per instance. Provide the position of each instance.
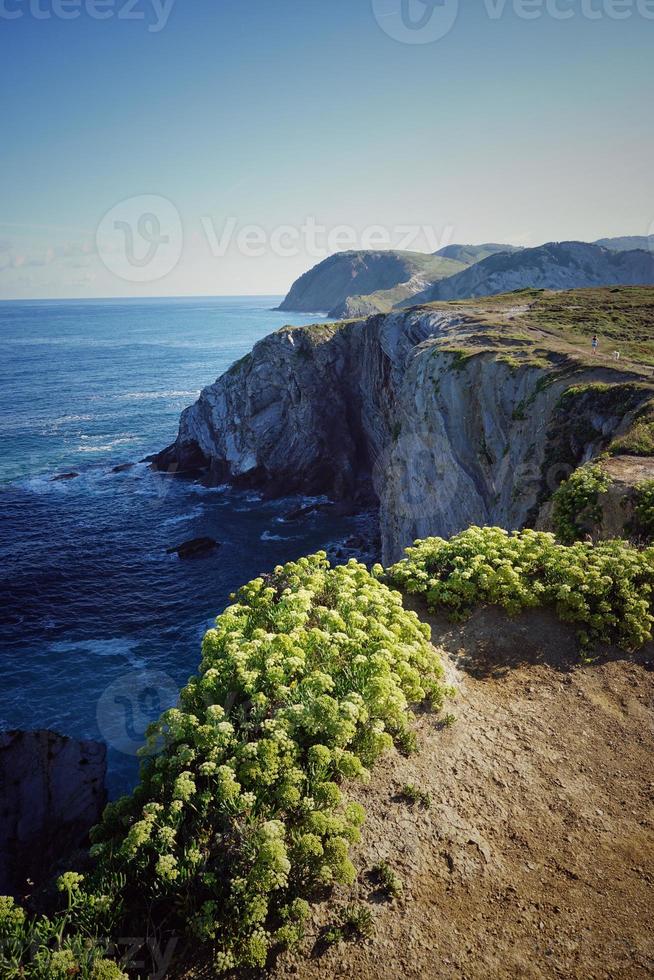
(304, 681)
(606, 588)
(55, 948)
(576, 496)
(645, 506)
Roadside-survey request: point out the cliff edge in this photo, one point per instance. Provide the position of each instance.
(446, 415)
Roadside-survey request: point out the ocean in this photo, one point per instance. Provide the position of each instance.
(100, 626)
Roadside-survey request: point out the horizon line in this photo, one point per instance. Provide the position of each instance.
(85, 299)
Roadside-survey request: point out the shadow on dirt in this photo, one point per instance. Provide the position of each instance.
(489, 643)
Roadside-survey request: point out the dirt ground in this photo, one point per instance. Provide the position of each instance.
(536, 855)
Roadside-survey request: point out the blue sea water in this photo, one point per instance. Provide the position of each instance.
(100, 626)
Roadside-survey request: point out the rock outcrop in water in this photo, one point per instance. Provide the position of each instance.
(53, 791)
(447, 416)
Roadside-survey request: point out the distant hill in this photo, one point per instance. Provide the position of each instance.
(469, 254)
(327, 286)
(627, 243)
(557, 265)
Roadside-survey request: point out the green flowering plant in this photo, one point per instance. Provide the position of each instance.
(605, 589)
(244, 813)
(47, 948)
(645, 507)
(576, 497)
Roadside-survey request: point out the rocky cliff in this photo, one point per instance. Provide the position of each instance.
(558, 265)
(328, 286)
(52, 790)
(447, 415)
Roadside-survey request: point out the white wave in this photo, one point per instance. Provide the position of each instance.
(117, 646)
(222, 488)
(269, 536)
(155, 395)
(106, 446)
(183, 518)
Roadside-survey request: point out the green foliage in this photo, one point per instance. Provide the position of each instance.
(459, 358)
(639, 441)
(606, 589)
(355, 923)
(414, 795)
(645, 506)
(46, 948)
(305, 680)
(387, 880)
(591, 388)
(578, 496)
(639, 438)
(512, 362)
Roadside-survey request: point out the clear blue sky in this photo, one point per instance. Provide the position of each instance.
(275, 113)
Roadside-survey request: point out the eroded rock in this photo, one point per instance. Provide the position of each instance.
(52, 791)
(444, 419)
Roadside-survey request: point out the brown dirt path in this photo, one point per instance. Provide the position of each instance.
(536, 856)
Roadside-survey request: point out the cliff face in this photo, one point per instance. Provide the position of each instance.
(445, 417)
(52, 791)
(328, 286)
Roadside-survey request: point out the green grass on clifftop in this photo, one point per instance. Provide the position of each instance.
(622, 317)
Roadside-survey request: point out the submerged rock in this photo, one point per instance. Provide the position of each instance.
(122, 467)
(195, 548)
(64, 476)
(53, 791)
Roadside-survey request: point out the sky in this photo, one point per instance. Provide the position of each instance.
(223, 147)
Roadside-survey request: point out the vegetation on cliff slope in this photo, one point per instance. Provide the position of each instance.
(605, 589)
(645, 506)
(576, 500)
(304, 681)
